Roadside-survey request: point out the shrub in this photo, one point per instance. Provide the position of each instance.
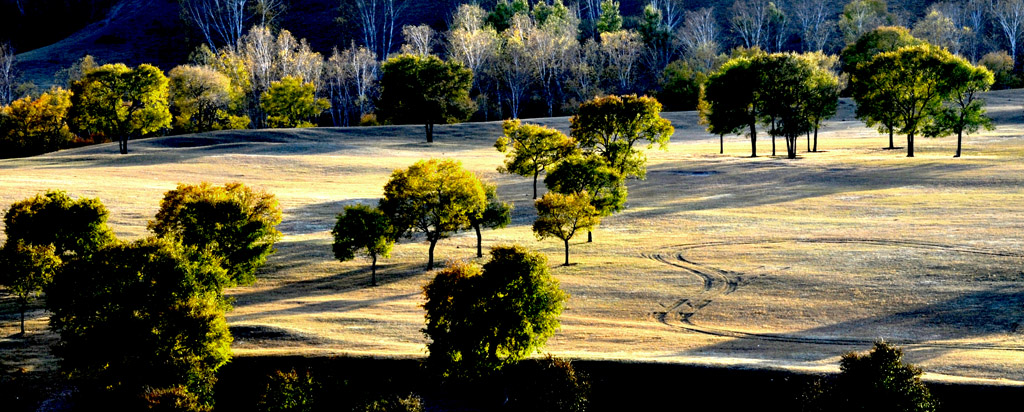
(878, 381)
(393, 403)
(548, 384)
(290, 391)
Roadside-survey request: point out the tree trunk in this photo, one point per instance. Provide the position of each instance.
(430, 132)
(123, 144)
(808, 140)
(566, 252)
(891, 145)
(373, 271)
(773, 145)
(590, 236)
(536, 172)
(815, 138)
(791, 146)
(910, 145)
(721, 144)
(23, 305)
(479, 241)
(430, 255)
(753, 139)
(959, 142)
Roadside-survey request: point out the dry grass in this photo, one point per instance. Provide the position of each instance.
(718, 259)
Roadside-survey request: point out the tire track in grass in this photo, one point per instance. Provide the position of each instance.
(718, 282)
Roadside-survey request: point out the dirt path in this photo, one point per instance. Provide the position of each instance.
(718, 283)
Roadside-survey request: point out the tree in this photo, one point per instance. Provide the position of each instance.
(862, 16)
(939, 29)
(610, 20)
(495, 215)
(366, 229)
(681, 88)
(623, 49)
(530, 149)
(561, 216)
(26, 271)
(436, 197)
(479, 321)
(291, 102)
(878, 381)
(729, 102)
(1001, 65)
(591, 176)
(32, 126)
(470, 42)
(115, 101)
(1009, 18)
(500, 19)
(73, 227)
(824, 89)
(610, 126)
(351, 77)
(815, 23)
(512, 67)
(135, 317)
(237, 224)
(965, 112)
(219, 21)
(752, 20)
(378, 20)
(201, 100)
(419, 40)
(699, 35)
(548, 41)
(914, 83)
(8, 74)
(785, 91)
(875, 41)
(424, 90)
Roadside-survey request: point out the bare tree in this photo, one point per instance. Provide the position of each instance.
(751, 19)
(512, 66)
(469, 42)
(1009, 16)
(862, 16)
(590, 9)
(671, 13)
(699, 36)
(220, 21)
(778, 27)
(351, 77)
(267, 11)
(548, 47)
(586, 60)
(8, 74)
(976, 16)
(816, 23)
(623, 50)
(419, 40)
(943, 26)
(266, 58)
(378, 20)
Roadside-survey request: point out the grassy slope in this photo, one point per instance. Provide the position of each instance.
(718, 259)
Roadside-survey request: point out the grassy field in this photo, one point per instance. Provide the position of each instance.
(718, 259)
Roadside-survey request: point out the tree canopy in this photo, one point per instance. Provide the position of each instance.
(203, 99)
(435, 197)
(290, 102)
(365, 229)
(480, 320)
(495, 215)
(611, 126)
(530, 149)
(729, 102)
(964, 111)
(73, 227)
(424, 90)
(234, 222)
(121, 103)
(32, 126)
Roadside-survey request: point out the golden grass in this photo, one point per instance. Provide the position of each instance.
(718, 259)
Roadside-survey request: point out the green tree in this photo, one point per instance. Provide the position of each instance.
(964, 112)
(290, 391)
(862, 16)
(74, 228)
(681, 86)
(25, 271)
(501, 17)
(290, 102)
(234, 222)
(1001, 65)
(202, 99)
(729, 102)
(589, 175)
(436, 197)
(610, 126)
(824, 89)
(134, 317)
(479, 321)
(562, 216)
(424, 90)
(611, 19)
(912, 82)
(363, 228)
(878, 381)
(117, 102)
(878, 40)
(547, 384)
(495, 215)
(32, 126)
(530, 149)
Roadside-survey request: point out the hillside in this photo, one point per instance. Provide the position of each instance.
(717, 259)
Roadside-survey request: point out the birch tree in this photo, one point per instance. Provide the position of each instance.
(699, 36)
(351, 76)
(814, 23)
(1009, 18)
(221, 22)
(512, 66)
(470, 42)
(419, 40)
(548, 45)
(751, 20)
(862, 16)
(976, 17)
(623, 49)
(8, 74)
(379, 21)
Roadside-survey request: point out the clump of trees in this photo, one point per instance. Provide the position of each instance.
(30, 126)
(141, 323)
(483, 319)
(878, 381)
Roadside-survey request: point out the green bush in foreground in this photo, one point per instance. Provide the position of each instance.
(879, 381)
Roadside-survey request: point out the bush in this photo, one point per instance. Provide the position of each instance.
(548, 384)
(201, 99)
(680, 87)
(879, 381)
(393, 403)
(369, 119)
(1001, 65)
(290, 102)
(290, 391)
